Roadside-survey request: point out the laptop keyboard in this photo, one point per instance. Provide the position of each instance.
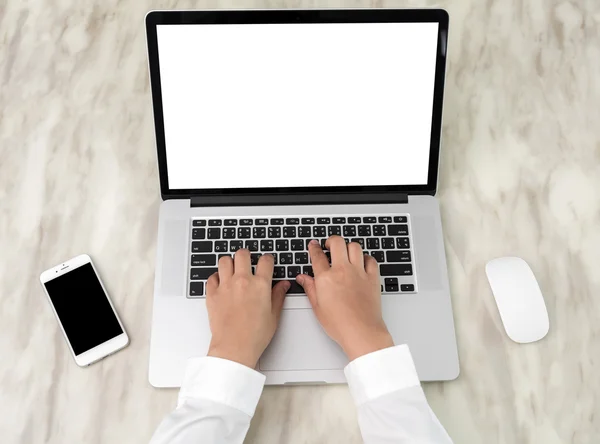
(386, 238)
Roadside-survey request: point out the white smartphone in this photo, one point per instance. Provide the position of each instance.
(86, 316)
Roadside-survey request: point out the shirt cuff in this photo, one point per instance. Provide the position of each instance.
(222, 381)
(381, 372)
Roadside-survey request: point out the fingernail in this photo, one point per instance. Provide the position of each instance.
(314, 242)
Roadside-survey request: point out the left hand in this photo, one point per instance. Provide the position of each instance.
(243, 310)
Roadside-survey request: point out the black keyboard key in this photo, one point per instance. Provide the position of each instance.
(251, 245)
(304, 231)
(349, 230)
(360, 241)
(292, 272)
(292, 221)
(215, 223)
(274, 232)
(407, 287)
(369, 220)
(261, 221)
(339, 220)
(279, 273)
(236, 245)
(323, 220)
(379, 230)
(297, 245)
(398, 256)
(199, 233)
(282, 245)
(276, 221)
(323, 246)
(334, 230)
(308, 220)
(244, 232)
(378, 255)
(346, 240)
(301, 258)
(308, 269)
(286, 258)
(230, 222)
(223, 255)
(328, 254)
(289, 232)
(307, 242)
(319, 231)
(266, 245)
(398, 230)
(259, 232)
(246, 221)
(220, 246)
(373, 244)
(254, 257)
(196, 289)
(202, 274)
(199, 223)
(402, 242)
(253, 270)
(391, 284)
(202, 247)
(385, 219)
(295, 287)
(387, 243)
(364, 230)
(395, 269)
(203, 259)
(354, 220)
(400, 219)
(214, 233)
(228, 233)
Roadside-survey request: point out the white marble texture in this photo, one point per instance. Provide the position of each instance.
(520, 175)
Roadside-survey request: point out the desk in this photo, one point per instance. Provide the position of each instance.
(520, 175)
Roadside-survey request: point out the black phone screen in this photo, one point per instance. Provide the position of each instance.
(83, 308)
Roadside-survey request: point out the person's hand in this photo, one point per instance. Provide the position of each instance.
(243, 310)
(346, 297)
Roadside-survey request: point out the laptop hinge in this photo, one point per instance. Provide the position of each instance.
(304, 199)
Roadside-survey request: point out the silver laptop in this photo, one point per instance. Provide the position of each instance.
(277, 127)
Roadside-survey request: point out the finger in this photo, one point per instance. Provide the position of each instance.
(212, 284)
(241, 262)
(278, 297)
(355, 254)
(308, 283)
(371, 266)
(339, 251)
(265, 266)
(319, 260)
(225, 268)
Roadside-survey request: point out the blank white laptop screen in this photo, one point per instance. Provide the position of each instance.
(297, 105)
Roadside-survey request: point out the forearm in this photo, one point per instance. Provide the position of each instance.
(392, 407)
(216, 403)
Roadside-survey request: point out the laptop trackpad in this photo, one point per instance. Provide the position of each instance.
(301, 344)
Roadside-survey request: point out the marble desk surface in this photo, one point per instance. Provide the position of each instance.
(520, 175)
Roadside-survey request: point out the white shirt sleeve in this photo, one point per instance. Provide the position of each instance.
(391, 404)
(216, 403)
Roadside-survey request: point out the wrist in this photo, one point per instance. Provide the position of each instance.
(368, 343)
(232, 354)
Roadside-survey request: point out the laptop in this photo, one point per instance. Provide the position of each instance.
(275, 127)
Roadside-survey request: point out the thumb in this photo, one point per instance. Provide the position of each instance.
(278, 296)
(308, 283)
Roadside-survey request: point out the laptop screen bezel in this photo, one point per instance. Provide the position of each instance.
(440, 16)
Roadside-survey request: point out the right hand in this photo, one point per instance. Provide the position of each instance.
(346, 297)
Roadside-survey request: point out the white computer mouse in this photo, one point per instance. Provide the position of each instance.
(519, 299)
